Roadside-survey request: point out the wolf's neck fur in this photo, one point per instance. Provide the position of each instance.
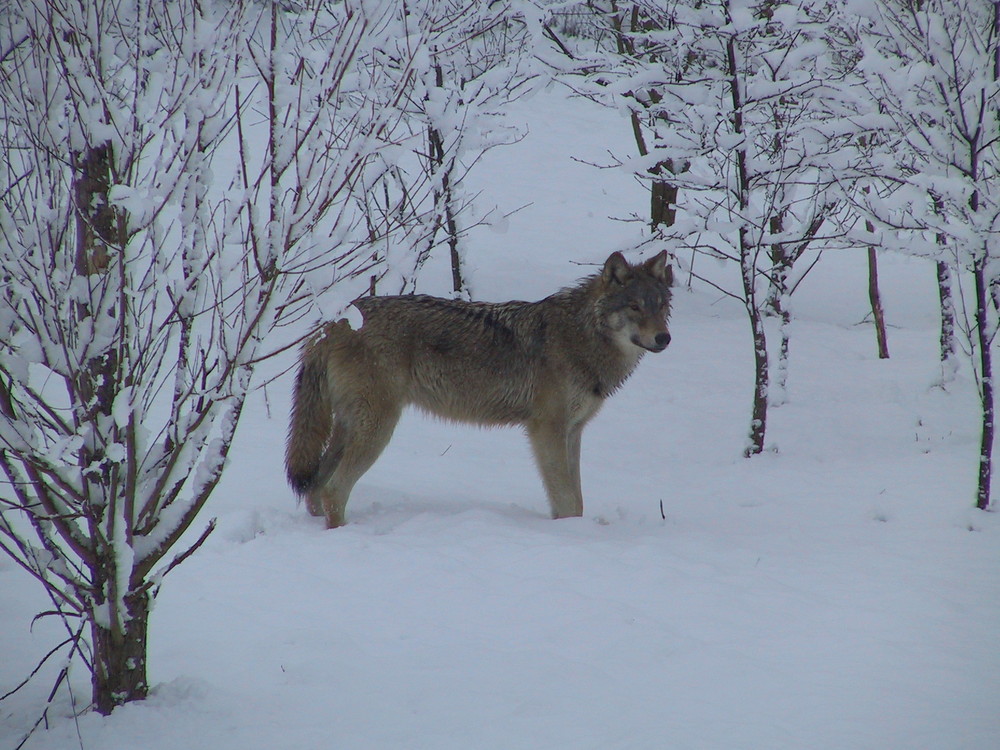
(605, 356)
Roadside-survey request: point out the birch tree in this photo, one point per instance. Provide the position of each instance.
(176, 192)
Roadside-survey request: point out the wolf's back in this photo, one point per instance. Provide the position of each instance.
(312, 419)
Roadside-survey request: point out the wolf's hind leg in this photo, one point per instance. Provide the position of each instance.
(328, 463)
(365, 433)
(314, 505)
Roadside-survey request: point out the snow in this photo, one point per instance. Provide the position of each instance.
(837, 592)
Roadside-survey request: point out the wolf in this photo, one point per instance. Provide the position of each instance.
(546, 365)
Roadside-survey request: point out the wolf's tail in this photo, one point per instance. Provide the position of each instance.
(312, 420)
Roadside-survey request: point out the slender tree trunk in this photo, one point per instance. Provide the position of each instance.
(875, 298)
(983, 499)
(451, 228)
(986, 387)
(444, 199)
(758, 419)
(444, 203)
(776, 306)
(748, 266)
(984, 335)
(949, 365)
(278, 159)
(945, 297)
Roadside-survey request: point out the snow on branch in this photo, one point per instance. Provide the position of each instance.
(179, 197)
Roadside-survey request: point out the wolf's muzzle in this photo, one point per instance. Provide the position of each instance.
(660, 342)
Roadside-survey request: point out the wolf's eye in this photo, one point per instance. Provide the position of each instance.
(634, 307)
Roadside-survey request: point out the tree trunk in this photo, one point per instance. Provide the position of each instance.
(748, 267)
(94, 387)
(758, 419)
(663, 198)
(986, 387)
(949, 364)
(119, 658)
(451, 228)
(875, 297)
(119, 669)
(776, 306)
(444, 199)
(444, 203)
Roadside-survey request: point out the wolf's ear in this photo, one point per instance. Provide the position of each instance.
(657, 268)
(616, 269)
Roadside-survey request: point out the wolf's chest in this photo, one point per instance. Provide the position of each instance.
(584, 404)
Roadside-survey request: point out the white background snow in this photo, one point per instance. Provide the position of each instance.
(837, 592)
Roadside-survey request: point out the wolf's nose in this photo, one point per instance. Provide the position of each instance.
(662, 339)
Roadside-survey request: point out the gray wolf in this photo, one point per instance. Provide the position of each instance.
(546, 365)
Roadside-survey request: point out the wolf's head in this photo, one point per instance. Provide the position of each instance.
(636, 301)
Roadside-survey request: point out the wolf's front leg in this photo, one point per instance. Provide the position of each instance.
(557, 450)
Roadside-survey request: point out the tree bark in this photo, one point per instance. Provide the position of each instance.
(663, 198)
(758, 418)
(119, 673)
(119, 658)
(986, 388)
(875, 298)
(93, 387)
(775, 305)
(947, 336)
(451, 230)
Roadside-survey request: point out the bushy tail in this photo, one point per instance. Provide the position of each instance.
(311, 423)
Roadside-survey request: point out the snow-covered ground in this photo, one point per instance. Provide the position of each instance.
(837, 592)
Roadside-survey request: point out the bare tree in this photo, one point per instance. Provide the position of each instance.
(933, 72)
(142, 271)
(615, 41)
(739, 103)
(473, 66)
(477, 69)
